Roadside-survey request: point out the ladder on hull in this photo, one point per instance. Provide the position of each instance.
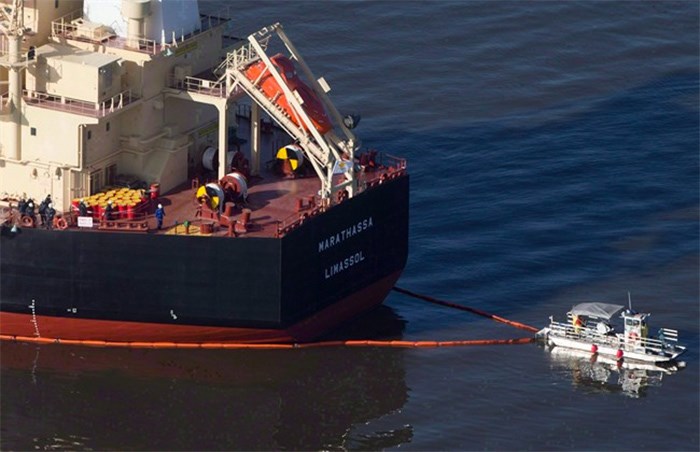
(322, 150)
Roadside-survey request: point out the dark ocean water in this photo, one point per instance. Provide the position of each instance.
(554, 153)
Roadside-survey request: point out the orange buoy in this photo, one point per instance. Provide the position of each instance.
(61, 223)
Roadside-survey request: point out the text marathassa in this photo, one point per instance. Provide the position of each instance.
(350, 231)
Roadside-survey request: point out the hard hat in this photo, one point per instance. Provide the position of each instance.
(50, 205)
(109, 202)
(82, 200)
(160, 206)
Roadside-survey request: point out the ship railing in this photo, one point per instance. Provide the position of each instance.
(202, 86)
(136, 220)
(656, 345)
(387, 167)
(295, 220)
(94, 109)
(244, 55)
(221, 16)
(397, 162)
(220, 70)
(64, 24)
(72, 26)
(197, 85)
(584, 333)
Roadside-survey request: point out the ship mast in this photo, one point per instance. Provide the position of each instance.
(12, 26)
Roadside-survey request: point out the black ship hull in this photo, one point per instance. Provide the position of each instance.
(83, 285)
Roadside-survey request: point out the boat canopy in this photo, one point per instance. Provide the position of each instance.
(598, 310)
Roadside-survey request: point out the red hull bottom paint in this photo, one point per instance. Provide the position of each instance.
(12, 324)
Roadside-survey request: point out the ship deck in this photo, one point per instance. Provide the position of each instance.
(276, 204)
(272, 202)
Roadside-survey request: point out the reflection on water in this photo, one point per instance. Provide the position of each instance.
(63, 397)
(599, 374)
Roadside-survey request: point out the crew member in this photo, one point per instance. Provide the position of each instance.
(160, 213)
(108, 211)
(50, 213)
(577, 322)
(82, 208)
(30, 210)
(22, 206)
(42, 209)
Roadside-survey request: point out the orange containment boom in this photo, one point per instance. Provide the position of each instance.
(234, 345)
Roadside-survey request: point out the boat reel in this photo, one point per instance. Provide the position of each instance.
(235, 186)
(212, 196)
(291, 158)
(232, 187)
(235, 161)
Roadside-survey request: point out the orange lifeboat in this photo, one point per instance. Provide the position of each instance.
(311, 104)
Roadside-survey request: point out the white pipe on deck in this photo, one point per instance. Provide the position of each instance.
(14, 137)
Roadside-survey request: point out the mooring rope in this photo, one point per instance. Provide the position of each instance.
(522, 326)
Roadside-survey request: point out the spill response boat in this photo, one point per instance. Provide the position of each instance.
(589, 327)
(186, 205)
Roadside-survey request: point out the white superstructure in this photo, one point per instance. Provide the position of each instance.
(94, 89)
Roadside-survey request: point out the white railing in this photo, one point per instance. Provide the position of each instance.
(589, 332)
(70, 26)
(198, 85)
(63, 22)
(219, 17)
(81, 107)
(116, 102)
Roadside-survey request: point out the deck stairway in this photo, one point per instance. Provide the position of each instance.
(322, 150)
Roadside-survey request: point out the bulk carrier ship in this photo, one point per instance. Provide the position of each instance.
(278, 224)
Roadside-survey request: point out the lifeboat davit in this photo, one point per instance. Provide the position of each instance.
(311, 103)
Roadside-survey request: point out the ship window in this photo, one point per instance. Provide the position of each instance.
(107, 127)
(89, 134)
(95, 181)
(55, 4)
(110, 174)
(32, 131)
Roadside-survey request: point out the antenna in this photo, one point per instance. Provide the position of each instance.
(629, 300)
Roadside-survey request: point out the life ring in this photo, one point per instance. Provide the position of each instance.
(27, 221)
(61, 223)
(633, 337)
